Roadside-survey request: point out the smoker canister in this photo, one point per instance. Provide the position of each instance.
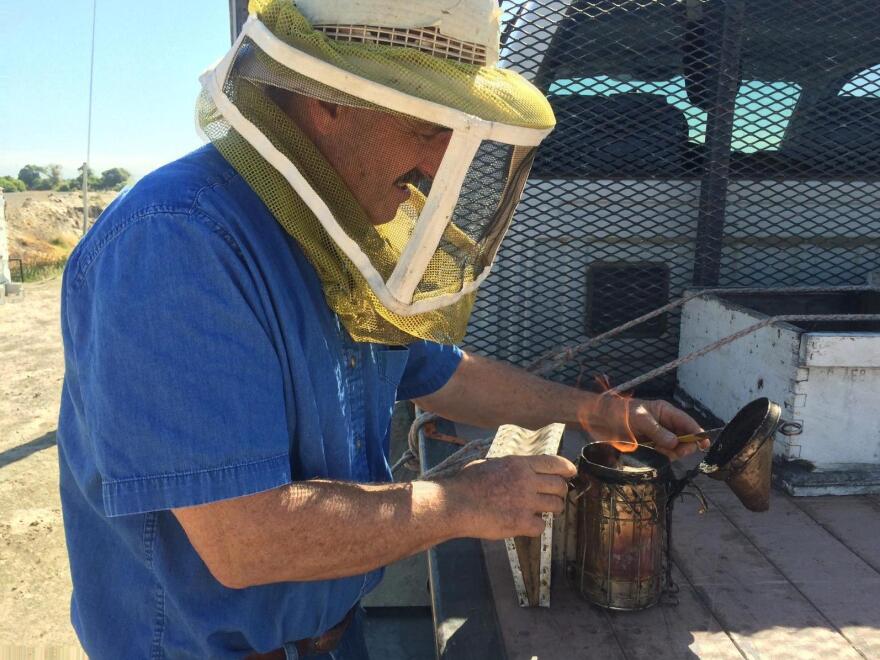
(616, 551)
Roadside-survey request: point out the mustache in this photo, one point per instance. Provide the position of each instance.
(416, 178)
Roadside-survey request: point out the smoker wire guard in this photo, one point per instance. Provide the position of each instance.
(740, 456)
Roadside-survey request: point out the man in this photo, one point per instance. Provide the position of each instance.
(238, 327)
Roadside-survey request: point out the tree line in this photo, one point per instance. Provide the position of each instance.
(48, 177)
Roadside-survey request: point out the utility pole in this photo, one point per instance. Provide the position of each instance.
(85, 182)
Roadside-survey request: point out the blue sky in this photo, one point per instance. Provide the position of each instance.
(148, 58)
(147, 61)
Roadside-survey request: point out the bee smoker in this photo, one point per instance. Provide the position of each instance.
(618, 512)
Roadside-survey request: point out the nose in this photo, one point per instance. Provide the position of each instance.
(433, 152)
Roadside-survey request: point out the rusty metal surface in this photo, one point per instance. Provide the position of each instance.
(621, 544)
(750, 435)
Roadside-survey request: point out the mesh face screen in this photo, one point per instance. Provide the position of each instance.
(386, 161)
(373, 168)
(358, 191)
(737, 142)
(482, 215)
(355, 184)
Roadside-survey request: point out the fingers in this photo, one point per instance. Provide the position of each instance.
(549, 504)
(680, 423)
(551, 464)
(683, 449)
(653, 431)
(551, 484)
(677, 421)
(663, 422)
(535, 527)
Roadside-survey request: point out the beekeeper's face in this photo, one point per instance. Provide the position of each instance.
(375, 153)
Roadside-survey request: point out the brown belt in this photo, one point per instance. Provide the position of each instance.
(314, 646)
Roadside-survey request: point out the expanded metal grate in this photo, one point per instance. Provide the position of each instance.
(717, 142)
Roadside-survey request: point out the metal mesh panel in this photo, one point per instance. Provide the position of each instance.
(735, 141)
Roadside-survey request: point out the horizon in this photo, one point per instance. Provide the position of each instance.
(148, 57)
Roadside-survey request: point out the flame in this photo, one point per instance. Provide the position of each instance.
(609, 410)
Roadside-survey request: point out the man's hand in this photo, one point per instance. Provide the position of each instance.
(505, 497)
(660, 422)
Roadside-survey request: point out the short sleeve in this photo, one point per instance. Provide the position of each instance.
(181, 387)
(428, 368)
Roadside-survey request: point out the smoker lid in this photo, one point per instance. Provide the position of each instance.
(742, 437)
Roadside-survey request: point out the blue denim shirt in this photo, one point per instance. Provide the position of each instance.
(203, 363)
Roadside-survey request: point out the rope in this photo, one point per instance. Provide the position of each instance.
(558, 357)
(472, 451)
(690, 357)
(410, 457)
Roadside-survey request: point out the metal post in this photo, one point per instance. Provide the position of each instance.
(719, 130)
(85, 182)
(5, 274)
(238, 14)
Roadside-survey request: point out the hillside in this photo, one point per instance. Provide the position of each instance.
(44, 226)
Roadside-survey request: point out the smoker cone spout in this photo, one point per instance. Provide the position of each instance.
(743, 455)
(751, 484)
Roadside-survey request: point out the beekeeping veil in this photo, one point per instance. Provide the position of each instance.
(384, 139)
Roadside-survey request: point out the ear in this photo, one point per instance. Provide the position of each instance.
(323, 115)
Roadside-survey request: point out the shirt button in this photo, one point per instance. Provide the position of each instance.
(358, 443)
(352, 362)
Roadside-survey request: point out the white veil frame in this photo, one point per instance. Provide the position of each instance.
(468, 132)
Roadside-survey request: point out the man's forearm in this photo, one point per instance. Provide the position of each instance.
(487, 393)
(319, 530)
(323, 530)
(498, 393)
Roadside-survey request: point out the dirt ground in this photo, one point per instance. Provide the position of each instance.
(34, 578)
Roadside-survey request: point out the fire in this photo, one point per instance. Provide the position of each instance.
(608, 410)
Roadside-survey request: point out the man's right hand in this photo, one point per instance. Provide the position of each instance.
(499, 498)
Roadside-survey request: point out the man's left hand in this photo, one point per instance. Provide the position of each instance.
(658, 422)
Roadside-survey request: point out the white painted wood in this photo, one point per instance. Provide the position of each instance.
(829, 382)
(5, 276)
(828, 349)
(840, 416)
(761, 364)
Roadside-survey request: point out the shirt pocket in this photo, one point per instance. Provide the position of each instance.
(390, 363)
